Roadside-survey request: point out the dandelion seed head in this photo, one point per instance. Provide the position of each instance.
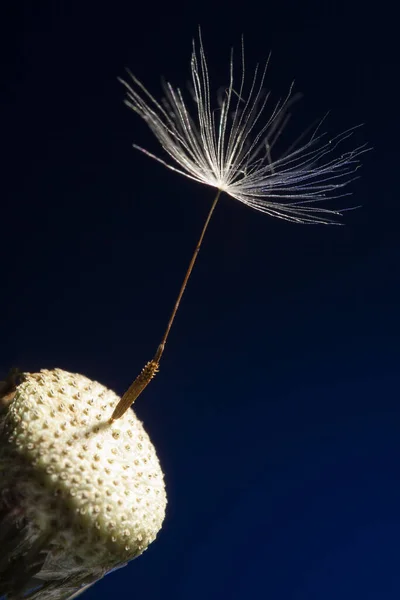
(76, 480)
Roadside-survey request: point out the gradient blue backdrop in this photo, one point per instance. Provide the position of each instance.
(276, 412)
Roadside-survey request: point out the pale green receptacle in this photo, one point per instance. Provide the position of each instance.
(79, 496)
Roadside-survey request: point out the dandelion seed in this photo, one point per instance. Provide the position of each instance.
(80, 497)
(230, 149)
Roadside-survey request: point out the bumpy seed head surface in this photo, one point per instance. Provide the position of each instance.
(94, 489)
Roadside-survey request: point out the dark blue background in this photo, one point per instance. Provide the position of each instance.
(276, 412)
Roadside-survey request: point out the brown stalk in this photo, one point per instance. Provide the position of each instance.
(152, 367)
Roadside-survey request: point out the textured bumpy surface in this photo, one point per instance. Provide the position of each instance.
(89, 495)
